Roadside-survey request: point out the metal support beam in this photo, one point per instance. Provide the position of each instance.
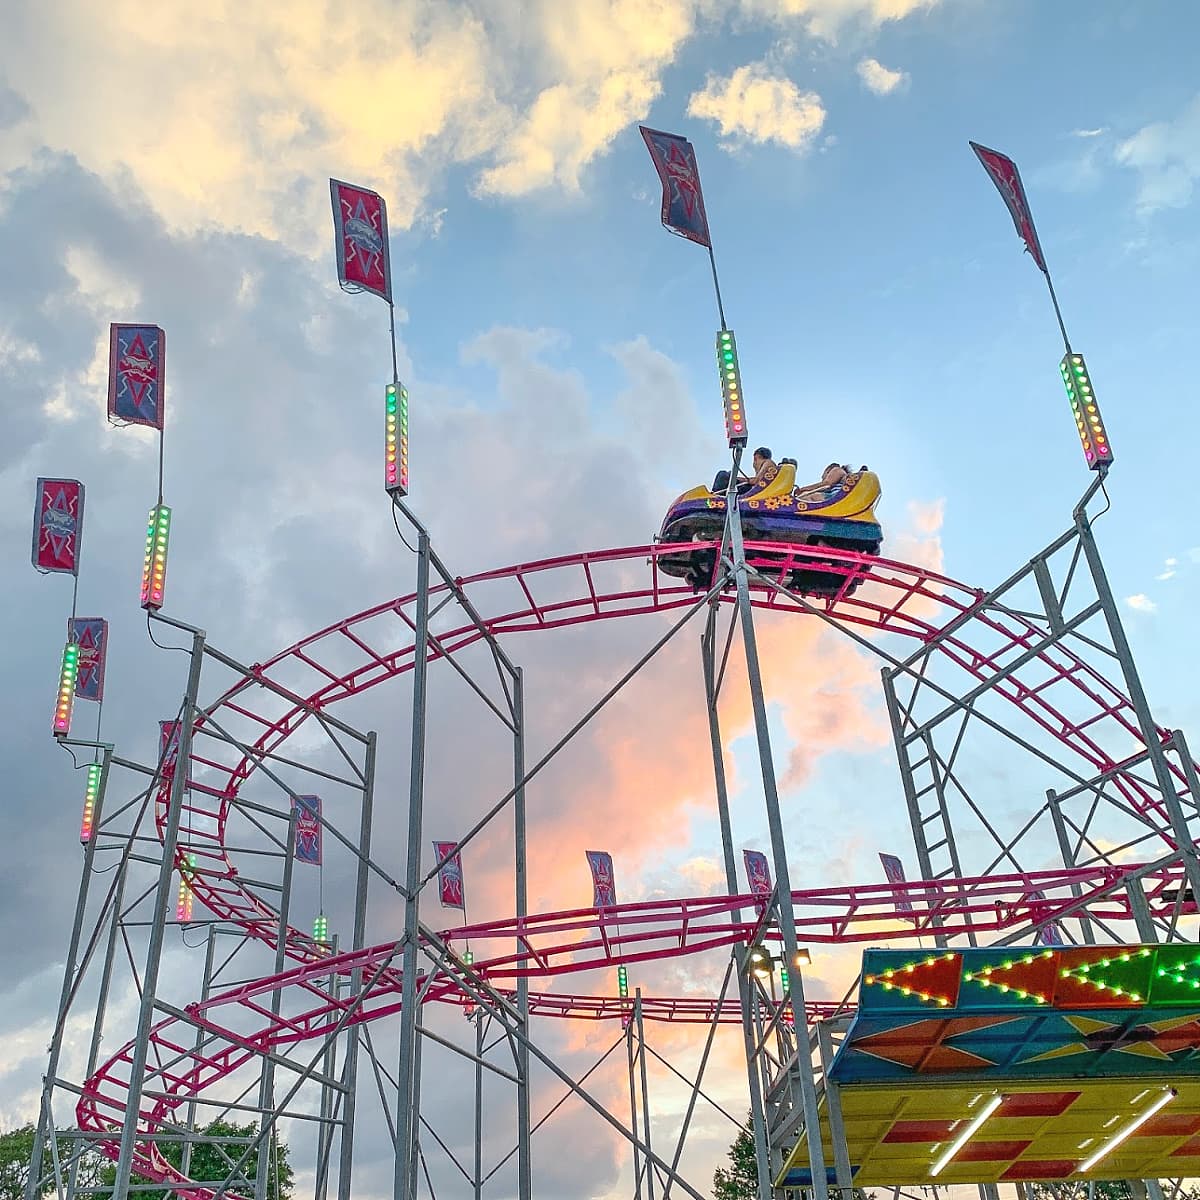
(758, 1119)
(799, 1072)
(45, 1121)
(521, 886)
(162, 899)
(358, 940)
(406, 1101)
(266, 1095)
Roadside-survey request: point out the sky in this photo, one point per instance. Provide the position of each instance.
(172, 168)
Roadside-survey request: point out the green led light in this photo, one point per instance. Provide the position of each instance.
(154, 564)
(622, 982)
(1092, 435)
(731, 389)
(90, 795)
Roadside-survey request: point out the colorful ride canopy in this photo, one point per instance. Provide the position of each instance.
(1071, 1047)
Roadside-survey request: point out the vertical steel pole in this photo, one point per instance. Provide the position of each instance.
(800, 1075)
(1068, 856)
(641, 1035)
(415, 1153)
(162, 899)
(633, 1112)
(833, 1105)
(45, 1122)
(1141, 706)
(758, 1120)
(266, 1093)
(325, 1126)
(205, 987)
(524, 1147)
(110, 957)
(406, 1114)
(478, 1167)
(358, 941)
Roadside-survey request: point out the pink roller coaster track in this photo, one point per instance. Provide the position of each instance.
(877, 596)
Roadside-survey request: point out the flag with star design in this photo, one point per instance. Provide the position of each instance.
(168, 747)
(893, 868)
(451, 890)
(683, 202)
(604, 884)
(361, 239)
(57, 525)
(137, 357)
(758, 872)
(308, 829)
(1007, 178)
(91, 635)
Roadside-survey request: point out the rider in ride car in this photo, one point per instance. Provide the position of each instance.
(764, 471)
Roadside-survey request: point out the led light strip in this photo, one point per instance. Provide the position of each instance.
(1117, 1138)
(87, 823)
(966, 1135)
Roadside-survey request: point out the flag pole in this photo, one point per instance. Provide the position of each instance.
(717, 285)
(392, 331)
(1058, 312)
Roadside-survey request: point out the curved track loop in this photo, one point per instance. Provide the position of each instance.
(875, 595)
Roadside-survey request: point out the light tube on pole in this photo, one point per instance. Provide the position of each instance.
(967, 1134)
(1117, 1138)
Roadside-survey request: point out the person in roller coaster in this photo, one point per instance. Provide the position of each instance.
(765, 470)
(833, 474)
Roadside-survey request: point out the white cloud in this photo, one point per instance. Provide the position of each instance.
(824, 18)
(1166, 156)
(880, 79)
(1088, 133)
(277, 98)
(753, 105)
(1168, 571)
(1141, 603)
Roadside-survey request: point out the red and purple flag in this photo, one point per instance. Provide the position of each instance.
(758, 872)
(1007, 179)
(450, 876)
(604, 883)
(308, 829)
(91, 635)
(361, 235)
(168, 746)
(893, 868)
(57, 525)
(683, 202)
(137, 359)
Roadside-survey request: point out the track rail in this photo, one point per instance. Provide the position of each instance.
(875, 596)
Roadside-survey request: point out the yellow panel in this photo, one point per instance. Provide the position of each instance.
(1102, 1107)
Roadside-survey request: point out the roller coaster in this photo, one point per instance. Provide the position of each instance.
(943, 644)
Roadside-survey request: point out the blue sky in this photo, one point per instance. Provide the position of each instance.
(557, 343)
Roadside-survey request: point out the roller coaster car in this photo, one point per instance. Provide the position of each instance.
(842, 517)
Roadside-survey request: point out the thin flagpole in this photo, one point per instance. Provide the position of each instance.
(717, 287)
(161, 440)
(392, 331)
(1058, 312)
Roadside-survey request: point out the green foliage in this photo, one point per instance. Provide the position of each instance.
(740, 1181)
(16, 1149)
(1103, 1189)
(212, 1161)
